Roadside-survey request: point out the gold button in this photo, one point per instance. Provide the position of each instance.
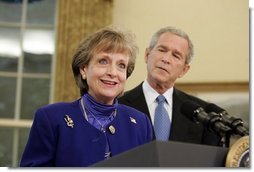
(112, 129)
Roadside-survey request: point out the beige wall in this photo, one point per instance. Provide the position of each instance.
(219, 30)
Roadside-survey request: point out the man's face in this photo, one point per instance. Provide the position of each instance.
(167, 60)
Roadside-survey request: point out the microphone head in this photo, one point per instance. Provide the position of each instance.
(188, 108)
(213, 108)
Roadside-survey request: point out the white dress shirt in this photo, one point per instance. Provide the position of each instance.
(151, 95)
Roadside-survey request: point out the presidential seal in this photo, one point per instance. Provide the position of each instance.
(238, 154)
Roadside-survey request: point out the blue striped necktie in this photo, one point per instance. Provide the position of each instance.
(161, 120)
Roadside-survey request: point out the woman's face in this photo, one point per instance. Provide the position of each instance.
(106, 76)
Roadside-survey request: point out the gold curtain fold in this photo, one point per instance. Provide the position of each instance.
(76, 19)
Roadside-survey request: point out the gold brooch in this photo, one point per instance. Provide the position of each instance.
(68, 121)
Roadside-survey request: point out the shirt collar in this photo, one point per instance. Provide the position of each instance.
(151, 94)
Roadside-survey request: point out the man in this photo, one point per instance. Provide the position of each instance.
(168, 57)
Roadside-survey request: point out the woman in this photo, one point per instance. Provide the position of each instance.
(94, 127)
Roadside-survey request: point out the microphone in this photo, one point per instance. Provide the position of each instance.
(212, 121)
(236, 124)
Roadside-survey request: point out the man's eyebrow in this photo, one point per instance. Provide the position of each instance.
(162, 46)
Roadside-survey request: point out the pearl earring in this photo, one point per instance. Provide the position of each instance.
(84, 77)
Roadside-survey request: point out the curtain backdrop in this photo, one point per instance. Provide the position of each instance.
(76, 19)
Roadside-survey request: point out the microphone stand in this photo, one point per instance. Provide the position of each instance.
(235, 123)
(225, 140)
(222, 130)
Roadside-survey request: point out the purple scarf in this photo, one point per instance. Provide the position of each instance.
(98, 114)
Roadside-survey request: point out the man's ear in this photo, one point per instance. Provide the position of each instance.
(185, 70)
(147, 53)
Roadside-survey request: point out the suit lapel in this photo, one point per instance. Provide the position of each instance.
(136, 99)
(180, 124)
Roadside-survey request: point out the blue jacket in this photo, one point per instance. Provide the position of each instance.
(53, 143)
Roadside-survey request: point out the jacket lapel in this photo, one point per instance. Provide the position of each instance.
(180, 125)
(137, 100)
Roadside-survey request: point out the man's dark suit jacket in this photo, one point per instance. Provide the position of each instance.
(182, 128)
